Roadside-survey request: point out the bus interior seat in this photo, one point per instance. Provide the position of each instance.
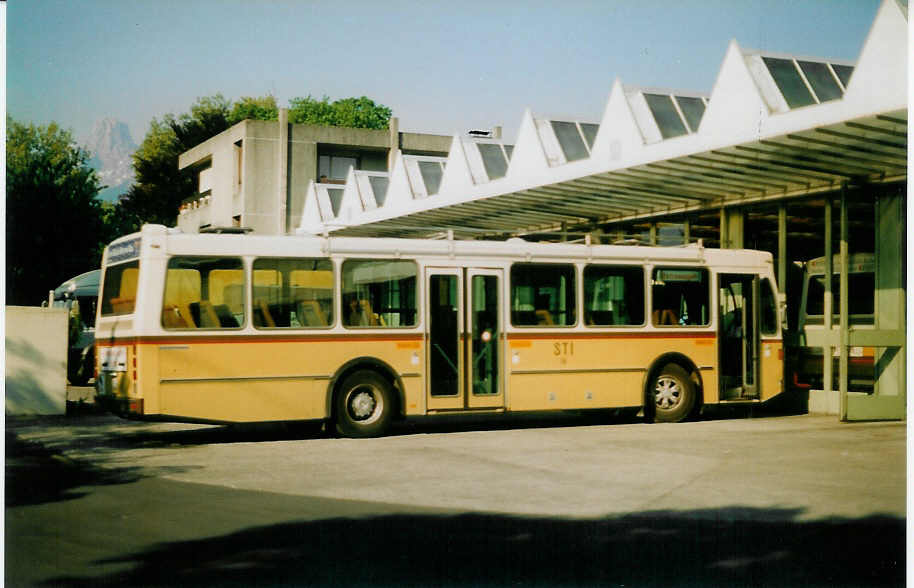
(601, 317)
(123, 304)
(664, 317)
(281, 314)
(208, 317)
(174, 318)
(203, 315)
(544, 317)
(368, 317)
(311, 314)
(262, 316)
(233, 296)
(523, 317)
(225, 317)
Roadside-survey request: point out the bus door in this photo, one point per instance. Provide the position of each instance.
(738, 341)
(464, 336)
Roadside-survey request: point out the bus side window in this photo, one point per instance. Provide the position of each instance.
(292, 293)
(118, 296)
(199, 293)
(543, 295)
(680, 297)
(768, 308)
(379, 293)
(613, 295)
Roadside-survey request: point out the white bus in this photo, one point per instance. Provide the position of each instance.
(808, 364)
(359, 331)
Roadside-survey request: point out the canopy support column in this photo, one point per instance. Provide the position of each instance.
(828, 303)
(842, 311)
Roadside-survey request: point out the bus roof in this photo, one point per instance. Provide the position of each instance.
(859, 263)
(82, 285)
(177, 242)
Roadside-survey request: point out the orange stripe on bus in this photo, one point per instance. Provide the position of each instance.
(408, 341)
(629, 335)
(216, 339)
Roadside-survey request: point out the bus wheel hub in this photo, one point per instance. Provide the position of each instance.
(667, 393)
(362, 404)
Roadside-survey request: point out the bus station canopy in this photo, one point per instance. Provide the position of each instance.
(773, 127)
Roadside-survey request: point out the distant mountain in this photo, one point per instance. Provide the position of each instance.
(111, 148)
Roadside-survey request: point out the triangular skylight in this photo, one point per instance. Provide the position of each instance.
(789, 82)
(565, 141)
(487, 159)
(663, 114)
(424, 173)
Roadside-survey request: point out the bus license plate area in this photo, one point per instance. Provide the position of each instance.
(113, 359)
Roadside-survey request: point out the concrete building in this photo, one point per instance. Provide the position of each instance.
(256, 173)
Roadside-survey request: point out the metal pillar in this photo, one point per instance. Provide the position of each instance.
(724, 230)
(731, 228)
(887, 402)
(782, 248)
(827, 304)
(842, 311)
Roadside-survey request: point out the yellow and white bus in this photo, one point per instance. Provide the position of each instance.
(229, 328)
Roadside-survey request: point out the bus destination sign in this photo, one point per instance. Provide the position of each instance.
(124, 251)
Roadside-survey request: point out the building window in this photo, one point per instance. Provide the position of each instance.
(494, 160)
(335, 168)
(432, 172)
(239, 164)
(570, 140)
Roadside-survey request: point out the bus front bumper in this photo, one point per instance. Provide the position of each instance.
(111, 395)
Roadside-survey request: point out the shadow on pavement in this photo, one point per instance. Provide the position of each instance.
(35, 474)
(89, 429)
(728, 547)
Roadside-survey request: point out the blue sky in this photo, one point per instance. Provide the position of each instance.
(441, 66)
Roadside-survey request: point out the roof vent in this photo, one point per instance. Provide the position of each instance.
(481, 134)
(226, 230)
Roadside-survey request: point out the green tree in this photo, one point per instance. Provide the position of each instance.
(263, 108)
(361, 112)
(54, 227)
(160, 187)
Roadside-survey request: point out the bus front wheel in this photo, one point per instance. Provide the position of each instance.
(364, 405)
(673, 393)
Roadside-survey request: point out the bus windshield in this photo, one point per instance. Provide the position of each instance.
(860, 301)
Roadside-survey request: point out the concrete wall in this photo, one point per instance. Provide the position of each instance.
(36, 360)
(302, 169)
(259, 198)
(423, 144)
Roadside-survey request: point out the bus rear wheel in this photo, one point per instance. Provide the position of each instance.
(364, 405)
(674, 394)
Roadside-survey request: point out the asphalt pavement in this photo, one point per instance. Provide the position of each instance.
(730, 500)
